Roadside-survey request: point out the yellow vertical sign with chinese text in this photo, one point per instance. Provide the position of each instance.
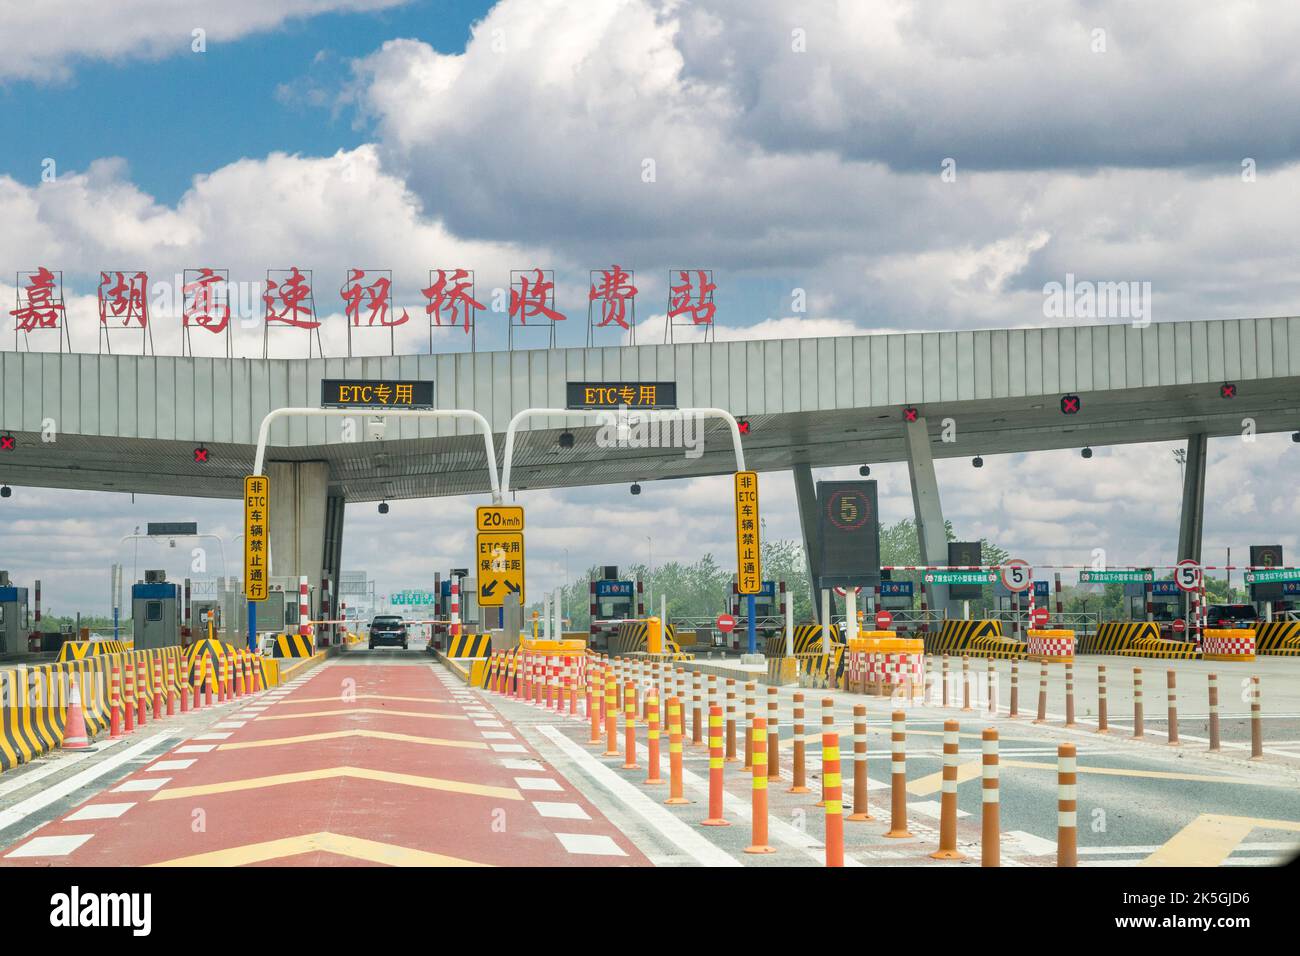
(749, 571)
(257, 529)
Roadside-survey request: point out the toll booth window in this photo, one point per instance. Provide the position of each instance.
(153, 611)
(290, 614)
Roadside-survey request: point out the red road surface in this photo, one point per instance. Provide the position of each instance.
(430, 788)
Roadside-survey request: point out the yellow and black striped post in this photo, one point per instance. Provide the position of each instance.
(731, 720)
(675, 795)
(1042, 694)
(800, 784)
(652, 734)
(773, 736)
(1214, 712)
(758, 842)
(990, 823)
(1067, 806)
(860, 811)
(1256, 721)
(828, 725)
(834, 799)
(1137, 702)
(948, 801)
(1102, 726)
(629, 726)
(712, 696)
(898, 777)
(611, 714)
(595, 701)
(716, 764)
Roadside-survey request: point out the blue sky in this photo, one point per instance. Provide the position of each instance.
(183, 115)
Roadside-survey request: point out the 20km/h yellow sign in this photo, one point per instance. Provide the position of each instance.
(749, 571)
(499, 518)
(257, 526)
(499, 561)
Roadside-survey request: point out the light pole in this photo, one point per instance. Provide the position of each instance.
(650, 563)
(1180, 456)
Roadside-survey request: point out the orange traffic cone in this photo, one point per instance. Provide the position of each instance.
(74, 723)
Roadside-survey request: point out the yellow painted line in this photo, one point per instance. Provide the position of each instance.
(933, 783)
(338, 734)
(354, 697)
(362, 710)
(328, 773)
(371, 851)
(1151, 774)
(1210, 839)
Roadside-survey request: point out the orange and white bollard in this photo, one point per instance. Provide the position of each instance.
(697, 714)
(948, 801)
(1214, 712)
(1102, 726)
(828, 725)
(1069, 694)
(773, 736)
(758, 842)
(965, 682)
(128, 697)
(652, 734)
(141, 691)
(716, 765)
(1015, 689)
(210, 686)
(170, 671)
(572, 680)
(115, 703)
(711, 698)
(944, 681)
(990, 823)
(898, 777)
(157, 688)
(1256, 721)
(860, 785)
(1172, 688)
(675, 734)
(1137, 702)
(1067, 829)
(1042, 694)
(595, 704)
(800, 784)
(629, 726)
(991, 683)
(834, 799)
(749, 728)
(731, 720)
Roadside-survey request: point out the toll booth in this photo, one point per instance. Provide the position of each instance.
(13, 617)
(156, 611)
(199, 609)
(612, 601)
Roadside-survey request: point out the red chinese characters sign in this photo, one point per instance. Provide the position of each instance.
(693, 296)
(205, 305)
(289, 300)
(532, 294)
(451, 299)
(124, 296)
(616, 293)
(39, 301)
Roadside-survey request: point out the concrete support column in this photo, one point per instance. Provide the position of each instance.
(299, 508)
(1191, 523)
(930, 528)
(332, 565)
(805, 493)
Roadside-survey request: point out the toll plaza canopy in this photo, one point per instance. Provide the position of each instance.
(132, 423)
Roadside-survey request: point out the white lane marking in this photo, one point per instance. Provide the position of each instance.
(58, 791)
(169, 765)
(668, 826)
(195, 749)
(50, 845)
(498, 735)
(488, 723)
(221, 736)
(561, 811)
(99, 811)
(512, 763)
(590, 844)
(230, 724)
(131, 786)
(21, 780)
(537, 783)
(1033, 845)
(509, 748)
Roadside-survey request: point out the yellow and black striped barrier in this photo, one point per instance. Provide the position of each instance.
(470, 645)
(1279, 639)
(633, 637)
(80, 650)
(825, 671)
(959, 636)
(807, 640)
(293, 645)
(1135, 639)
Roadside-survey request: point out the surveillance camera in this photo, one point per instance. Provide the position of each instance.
(375, 429)
(383, 507)
(977, 461)
(864, 470)
(1086, 453)
(636, 489)
(566, 439)
(5, 491)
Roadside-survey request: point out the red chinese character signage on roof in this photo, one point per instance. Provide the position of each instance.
(205, 303)
(289, 300)
(124, 296)
(451, 298)
(374, 297)
(39, 301)
(615, 292)
(533, 295)
(693, 296)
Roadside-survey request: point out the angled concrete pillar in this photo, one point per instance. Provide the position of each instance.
(1191, 522)
(299, 507)
(928, 509)
(805, 493)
